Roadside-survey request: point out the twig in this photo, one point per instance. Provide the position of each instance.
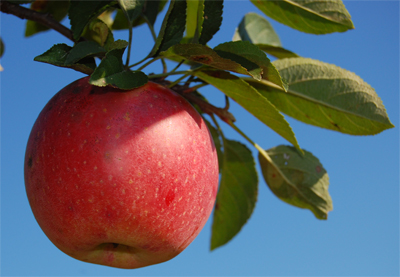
(42, 18)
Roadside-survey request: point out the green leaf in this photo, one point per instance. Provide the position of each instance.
(82, 12)
(194, 20)
(297, 179)
(111, 72)
(82, 50)
(257, 30)
(120, 22)
(172, 28)
(251, 58)
(327, 96)
(99, 32)
(107, 17)
(212, 20)
(57, 55)
(202, 54)
(246, 96)
(278, 52)
(150, 10)
(125, 79)
(240, 54)
(109, 65)
(56, 9)
(131, 8)
(118, 44)
(311, 16)
(237, 193)
(203, 19)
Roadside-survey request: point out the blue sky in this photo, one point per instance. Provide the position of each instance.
(361, 235)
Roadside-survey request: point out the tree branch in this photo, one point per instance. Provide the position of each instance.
(42, 18)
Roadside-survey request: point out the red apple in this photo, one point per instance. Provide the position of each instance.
(120, 178)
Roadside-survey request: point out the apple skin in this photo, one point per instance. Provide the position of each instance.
(120, 178)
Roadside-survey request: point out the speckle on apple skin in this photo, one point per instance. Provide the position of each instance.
(144, 173)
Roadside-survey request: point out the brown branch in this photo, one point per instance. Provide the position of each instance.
(42, 18)
(206, 107)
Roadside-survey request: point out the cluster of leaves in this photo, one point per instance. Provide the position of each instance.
(311, 91)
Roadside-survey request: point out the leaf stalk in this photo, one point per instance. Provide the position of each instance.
(177, 81)
(162, 75)
(148, 63)
(261, 150)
